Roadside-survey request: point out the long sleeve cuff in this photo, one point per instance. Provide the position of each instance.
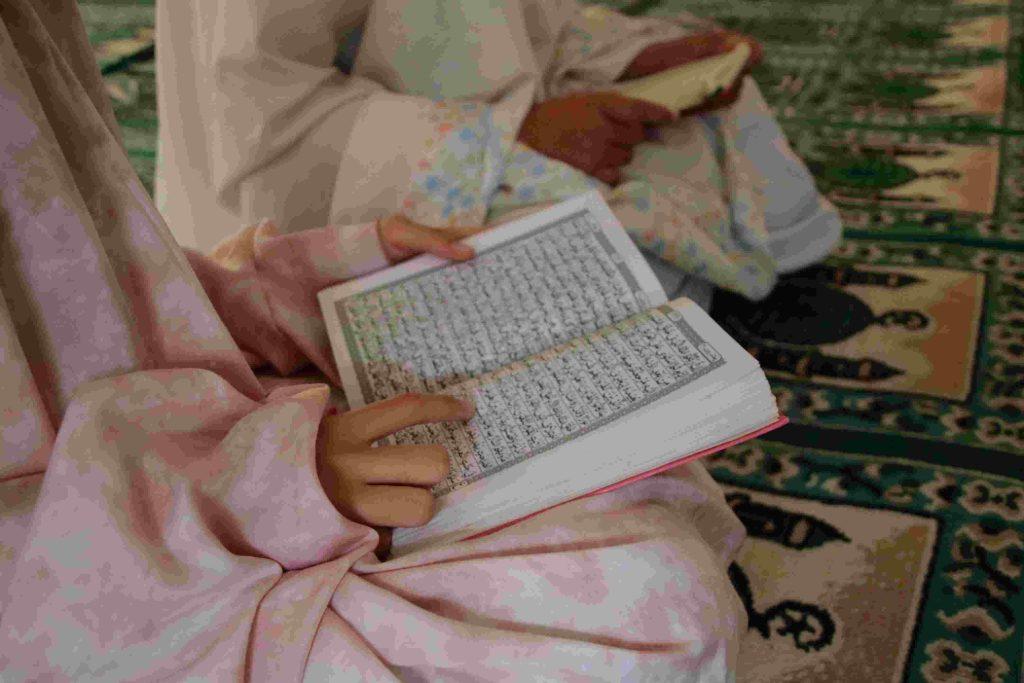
(441, 166)
(264, 286)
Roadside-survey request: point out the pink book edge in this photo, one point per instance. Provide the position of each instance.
(783, 420)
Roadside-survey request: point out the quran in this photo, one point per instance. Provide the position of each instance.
(583, 374)
(687, 86)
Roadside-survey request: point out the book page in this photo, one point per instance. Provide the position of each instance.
(535, 284)
(687, 86)
(535, 405)
(664, 387)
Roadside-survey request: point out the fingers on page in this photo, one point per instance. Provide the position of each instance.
(407, 465)
(403, 234)
(391, 506)
(378, 420)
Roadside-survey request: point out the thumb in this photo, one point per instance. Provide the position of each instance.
(404, 237)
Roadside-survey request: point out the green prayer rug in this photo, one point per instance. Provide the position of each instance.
(886, 538)
(867, 568)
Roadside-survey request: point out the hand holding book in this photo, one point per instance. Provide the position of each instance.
(582, 373)
(689, 50)
(390, 486)
(596, 132)
(402, 238)
(692, 74)
(593, 132)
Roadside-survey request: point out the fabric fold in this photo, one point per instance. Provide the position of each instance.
(264, 286)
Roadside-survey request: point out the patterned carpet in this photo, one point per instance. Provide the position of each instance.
(887, 523)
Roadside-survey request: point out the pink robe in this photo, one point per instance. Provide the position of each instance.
(160, 514)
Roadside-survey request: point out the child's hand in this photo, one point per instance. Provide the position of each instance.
(593, 132)
(401, 239)
(387, 486)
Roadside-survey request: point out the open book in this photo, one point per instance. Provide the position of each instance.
(584, 376)
(690, 85)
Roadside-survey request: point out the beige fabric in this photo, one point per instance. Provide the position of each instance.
(257, 123)
(421, 117)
